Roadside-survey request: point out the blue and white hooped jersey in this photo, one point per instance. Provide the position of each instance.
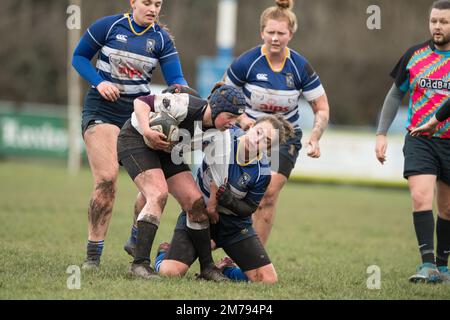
(274, 91)
(129, 53)
(220, 164)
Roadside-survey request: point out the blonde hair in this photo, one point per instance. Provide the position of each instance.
(282, 11)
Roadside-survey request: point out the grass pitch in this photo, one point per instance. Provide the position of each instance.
(323, 241)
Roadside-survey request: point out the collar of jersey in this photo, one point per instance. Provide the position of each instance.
(444, 53)
(264, 52)
(250, 162)
(132, 28)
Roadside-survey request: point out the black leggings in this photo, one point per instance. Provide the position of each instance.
(248, 254)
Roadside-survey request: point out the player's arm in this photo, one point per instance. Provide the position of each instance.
(142, 108)
(314, 93)
(81, 60)
(321, 111)
(178, 88)
(211, 207)
(444, 112)
(432, 125)
(389, 111)
(87, 48)
(171, 70)
(247, 206)
(242, 207)
(169, 61)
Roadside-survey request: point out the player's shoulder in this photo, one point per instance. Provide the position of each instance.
(295, 55)
(297, 58)
(161, 30)
(411, 51)
(108, 21)
(250, 56)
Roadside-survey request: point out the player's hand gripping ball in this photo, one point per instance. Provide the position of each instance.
(164, 123)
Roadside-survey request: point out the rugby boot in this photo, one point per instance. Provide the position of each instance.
(426, 273)
(144, 271)
(90, 264)
(444, 275)
(212, 273)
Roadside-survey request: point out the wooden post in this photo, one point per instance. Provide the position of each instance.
(73, 88)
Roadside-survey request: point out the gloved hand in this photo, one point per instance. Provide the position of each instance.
(178, 88)
(224, 195)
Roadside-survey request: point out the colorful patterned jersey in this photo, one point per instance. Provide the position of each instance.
(424, 71)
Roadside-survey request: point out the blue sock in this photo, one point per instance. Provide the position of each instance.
(95, 249)
(159, 259)
(235, 274)
(133, 236)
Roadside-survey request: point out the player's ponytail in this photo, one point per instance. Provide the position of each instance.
(285, 4)
(282, 11)
(165, 28)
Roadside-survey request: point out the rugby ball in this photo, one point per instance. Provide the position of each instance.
(166, 124)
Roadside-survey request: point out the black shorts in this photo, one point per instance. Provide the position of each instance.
(288, 154)
(228, 231)
(136, 157)
(97, 110)
(429, 156)
(248, 254)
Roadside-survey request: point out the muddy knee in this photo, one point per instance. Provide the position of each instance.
(197, 212)
(100, 207)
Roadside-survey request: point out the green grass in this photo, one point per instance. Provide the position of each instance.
(323, 240)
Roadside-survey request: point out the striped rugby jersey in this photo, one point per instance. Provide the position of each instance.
(424, 71)
(274, 91)
(129, 53)
(220, 164)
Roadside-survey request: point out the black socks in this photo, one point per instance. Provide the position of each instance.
(145, 237)
(95, 249)
(424, 226)
(202, 243)
(443, 242)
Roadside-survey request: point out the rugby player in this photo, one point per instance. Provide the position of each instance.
(424, 72)
(273, 77)
(131, 45)
(233, 184)
(156, 175)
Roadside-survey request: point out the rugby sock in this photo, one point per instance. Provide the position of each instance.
(201, 239)
(235, 274)
(144, 240)
(424, 226)
(133, 236)
(95, 249)
(159, 259)
(443, 242)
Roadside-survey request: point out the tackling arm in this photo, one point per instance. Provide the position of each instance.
(243, 208)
